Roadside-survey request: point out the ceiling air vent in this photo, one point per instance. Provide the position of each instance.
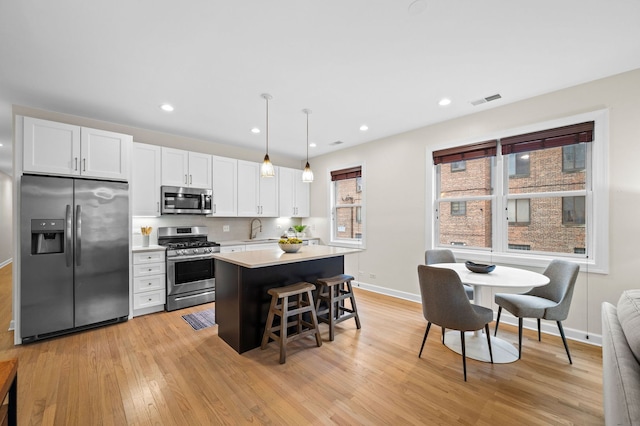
(485, 100)
(336, 143)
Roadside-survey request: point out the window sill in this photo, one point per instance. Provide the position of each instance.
(347, 244)
(525, 260)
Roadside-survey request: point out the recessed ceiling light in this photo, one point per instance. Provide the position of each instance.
(166, 107)
(0, 144)
(312, 145)
(444, 102)
(255, 130)
(364, 127)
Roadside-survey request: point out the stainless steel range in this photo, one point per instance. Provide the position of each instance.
(190, 274)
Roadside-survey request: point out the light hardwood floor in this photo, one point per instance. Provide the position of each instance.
(156, 370)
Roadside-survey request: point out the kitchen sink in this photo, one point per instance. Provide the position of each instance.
(260, 240)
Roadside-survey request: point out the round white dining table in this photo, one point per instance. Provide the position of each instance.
(501, 277)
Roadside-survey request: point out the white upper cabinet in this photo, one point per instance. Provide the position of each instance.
(186, 169)
(225, 186)
(105, 154)
(294, 194)
(145, 180)
(200, 172)
(256, 196)
(64, 149)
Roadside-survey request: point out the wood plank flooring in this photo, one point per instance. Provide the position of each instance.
(157, 370)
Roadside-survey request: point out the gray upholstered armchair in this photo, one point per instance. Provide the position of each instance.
(550, 302)
(445, 256)
(445, 303)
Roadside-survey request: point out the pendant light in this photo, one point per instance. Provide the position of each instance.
(267, 170)
(307, 174)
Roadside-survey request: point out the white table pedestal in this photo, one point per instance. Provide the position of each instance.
(477, 348)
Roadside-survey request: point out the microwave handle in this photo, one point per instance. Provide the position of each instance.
(202, 201)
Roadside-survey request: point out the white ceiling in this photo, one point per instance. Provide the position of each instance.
(352, 62)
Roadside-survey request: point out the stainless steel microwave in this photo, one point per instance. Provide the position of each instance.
(176, 200)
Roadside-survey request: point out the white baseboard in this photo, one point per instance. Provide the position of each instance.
(546, 327)
(6, 262)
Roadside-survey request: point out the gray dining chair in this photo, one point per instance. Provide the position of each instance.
(550, 302)
(445, 256)
(445, 303)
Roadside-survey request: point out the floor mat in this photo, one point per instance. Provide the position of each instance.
(202, 319)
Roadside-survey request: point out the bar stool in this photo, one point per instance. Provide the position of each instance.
(333, 291)
(285, 308)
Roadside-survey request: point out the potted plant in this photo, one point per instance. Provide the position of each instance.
(299, 230)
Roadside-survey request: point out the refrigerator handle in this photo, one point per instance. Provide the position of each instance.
(78, 235)
(68, 236)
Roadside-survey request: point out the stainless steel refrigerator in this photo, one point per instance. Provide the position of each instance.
(74, 237)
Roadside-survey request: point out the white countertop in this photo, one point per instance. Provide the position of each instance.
(272, 257)
(151, 247)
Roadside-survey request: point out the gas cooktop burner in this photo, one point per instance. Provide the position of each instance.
(191, 244)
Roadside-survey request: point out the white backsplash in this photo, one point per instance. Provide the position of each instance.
(238, 226)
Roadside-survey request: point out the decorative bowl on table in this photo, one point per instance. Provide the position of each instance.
(290, 245)
(480, 268)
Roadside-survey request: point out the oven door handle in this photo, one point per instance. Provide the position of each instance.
(194, 257)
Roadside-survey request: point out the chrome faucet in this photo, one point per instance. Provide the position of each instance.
(253, 233)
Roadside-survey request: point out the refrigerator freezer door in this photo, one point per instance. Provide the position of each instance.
(102, 251)
(46, 289)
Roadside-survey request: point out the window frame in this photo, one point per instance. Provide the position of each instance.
(595, 259)
(360, 208)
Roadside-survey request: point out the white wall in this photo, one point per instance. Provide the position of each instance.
(397, 172)
(6, 215)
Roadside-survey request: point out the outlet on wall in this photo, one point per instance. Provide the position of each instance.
(372, 275)
(225, 228)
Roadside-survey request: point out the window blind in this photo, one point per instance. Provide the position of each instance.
(466, 152)
(550, 138)
(350, 173)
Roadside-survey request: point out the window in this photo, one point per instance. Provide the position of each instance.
(347, 206)
(573, 158)
(458, 166)
(518, 211)
(573, 210)
(527, 195)
(458, 208)
(519, 165)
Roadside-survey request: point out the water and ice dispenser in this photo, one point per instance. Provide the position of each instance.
(47, 236)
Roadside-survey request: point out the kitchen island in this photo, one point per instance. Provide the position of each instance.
(243, 278)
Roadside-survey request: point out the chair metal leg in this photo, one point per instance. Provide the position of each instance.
(538, 329)
(486, 330)
(424, 339)
(495, 333)
(564, 340)
(443, 331)
(519, 338)
(464, 356)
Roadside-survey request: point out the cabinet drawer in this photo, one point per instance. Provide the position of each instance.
(148, 257)
(152, 282)
(231, 249)
(149, 298)
(148, 269)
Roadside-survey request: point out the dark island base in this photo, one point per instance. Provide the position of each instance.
(242, 302)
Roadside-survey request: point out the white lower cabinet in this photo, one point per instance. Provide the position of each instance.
(149, 281)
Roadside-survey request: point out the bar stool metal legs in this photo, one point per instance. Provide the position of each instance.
(333, 292)
(284, 307)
